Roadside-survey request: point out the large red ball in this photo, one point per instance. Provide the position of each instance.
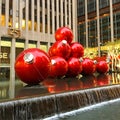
(88, 67)
(59, 67)
(32, 66)
(102, 67)
(60, 48)
(74, 67)
(77, 50)
(64, 33)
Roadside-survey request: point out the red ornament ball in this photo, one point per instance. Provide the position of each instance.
(32, 66)
(77, 50)
(60, 48)
(59, 67)
(64, 33)
(74, 67)
(102, 67)
(88, 67)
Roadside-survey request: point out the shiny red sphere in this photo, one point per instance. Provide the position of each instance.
(59, 67)
(102, 67)
(64, 33)
(74, 67)
(77, 50)
(88, 67)
(60, 48)
(32, 66)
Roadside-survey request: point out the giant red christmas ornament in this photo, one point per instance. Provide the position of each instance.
(32, 66)
(77, 50)
(102, 67)
(64, 33)
(74, 67)
(60, 48)
(59, 67)
(88, 67)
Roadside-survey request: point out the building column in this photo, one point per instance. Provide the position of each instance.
(86, 23)
(69, 12)
(98, 27)
(6, 13)
(57, 13)
(74, 9)
(20, 14)
(12, 71)
(32, 14)
(111, 21)
(26, 16)
(14, 14)
(48, 16)
(53, 17)
(43, 16)
(38, 16)
(61, 11)
(66, 15)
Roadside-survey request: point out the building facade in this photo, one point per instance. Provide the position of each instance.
(98, 22)
(31, 24)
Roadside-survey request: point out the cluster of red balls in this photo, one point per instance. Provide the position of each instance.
(64, 58)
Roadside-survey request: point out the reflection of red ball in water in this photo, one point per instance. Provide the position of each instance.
(77, 50)
(60, 48)
(102, 67)
(59, 67)
(88, 66)
(32, 66)
(88, 81)
(64, 33)
(74, 84)
(60, 86)
(102, 79)
(74, 67)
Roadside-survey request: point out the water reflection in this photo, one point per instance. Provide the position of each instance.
(16, 89)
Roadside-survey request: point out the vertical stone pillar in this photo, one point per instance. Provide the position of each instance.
(111, 21)
(98, 26)
(86, 23)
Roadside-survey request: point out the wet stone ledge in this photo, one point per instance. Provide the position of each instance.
(41, 107)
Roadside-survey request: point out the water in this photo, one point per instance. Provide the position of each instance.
(57, 96)
(109, 110)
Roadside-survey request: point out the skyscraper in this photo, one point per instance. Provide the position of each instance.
(98, 21)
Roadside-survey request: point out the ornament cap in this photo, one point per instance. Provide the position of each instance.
(28, 58)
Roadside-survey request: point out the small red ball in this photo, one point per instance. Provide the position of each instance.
(88, 67)
(74, 67)
(59, 67)
(77, 50)
(60, 48)
(64, 33)
(102, 67)
(32, 66)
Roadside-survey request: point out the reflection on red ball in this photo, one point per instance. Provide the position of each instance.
(88, 67)
(59, 67)
(74, 67)
(32, 66)
(60, 48)
(77, 50)
(102, 67)
(64, 33)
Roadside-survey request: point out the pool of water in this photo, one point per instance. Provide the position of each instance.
(17, 89)
(109, 110)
